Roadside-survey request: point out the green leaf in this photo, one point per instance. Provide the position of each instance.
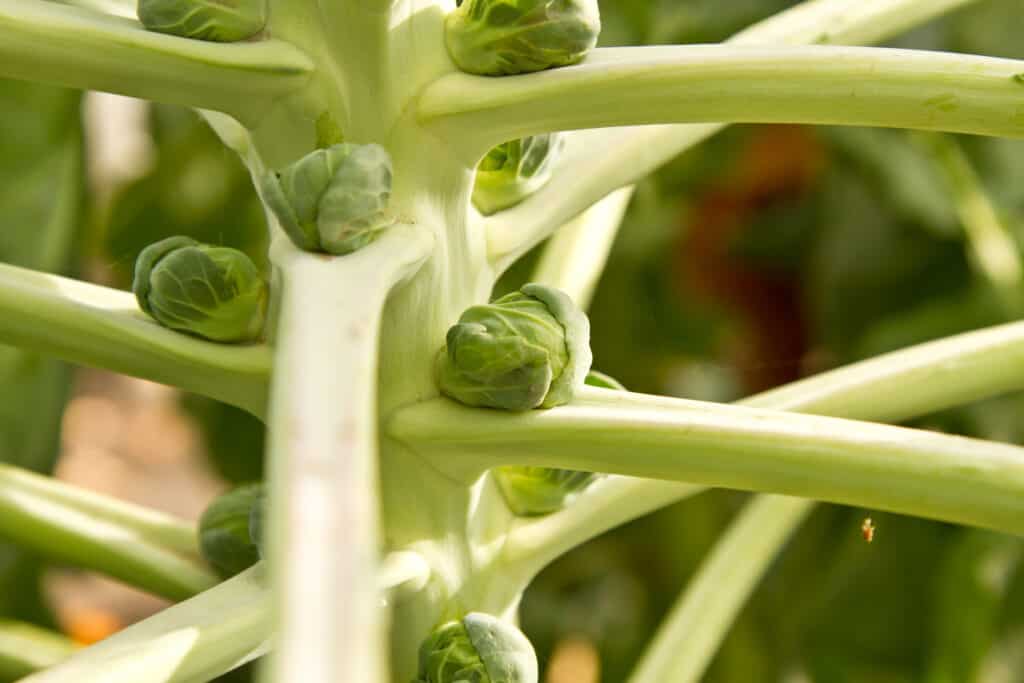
(41, 190)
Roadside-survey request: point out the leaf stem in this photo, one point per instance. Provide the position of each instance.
(907, 471)
(830, 85)
(26, 648)
(138, 546)
(102, 327)
(575, 257)
(692, 631)
(598, 162)
(195, 640)
(80, 48)
(891, 388)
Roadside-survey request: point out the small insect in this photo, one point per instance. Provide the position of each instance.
(867, 529)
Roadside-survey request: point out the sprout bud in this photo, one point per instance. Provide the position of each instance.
(532, 491)
(529, 349)
(333, 199)
(224, 537)
(513, 171)
(212, 292)
(502, 37)
(477, 649)
(222, 21)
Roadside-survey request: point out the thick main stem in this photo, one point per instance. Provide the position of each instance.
(324, 503)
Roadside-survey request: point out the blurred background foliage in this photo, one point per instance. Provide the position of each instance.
(764, 255)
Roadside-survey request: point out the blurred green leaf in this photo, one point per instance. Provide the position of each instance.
(970, 586)
(41, 190)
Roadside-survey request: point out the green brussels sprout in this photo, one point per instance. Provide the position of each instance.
(477, 649)
(502, 37)
(333, 199)
(529, 349)
(222, 21)
(212, 292)
(532, 491)
(513, 171)
(224, 537)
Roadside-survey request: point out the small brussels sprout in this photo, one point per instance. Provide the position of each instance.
(222, 21)
(224, 537)
(532, 491)
(333, 199)
(529, 349)
(502, 37)
(477, 649)
(212, 292)
(513, 171)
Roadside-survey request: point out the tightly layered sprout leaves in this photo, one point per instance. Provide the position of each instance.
(222, 21)
(534, 491)
(513, 171)
(477, 649)
(212, 292)
(225, 537)
(333, 199)
(529, 349)
(503, 37)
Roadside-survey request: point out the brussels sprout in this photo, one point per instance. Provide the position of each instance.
(224, 537)
(529, 349)
(222, 21)
(513, 171)
(212, 292)
(501, 37)
(531, 491)
(477, 649)
(333, 199)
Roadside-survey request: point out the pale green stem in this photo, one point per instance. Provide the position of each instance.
(325, 516)
(600, 161)
(119, 8)
(136, 545)
(79, 48)
(830, 85)
(26, 648)
(575, 257)
(990, 241)
(906, 471)
(403, 572)
(891, 388)
(692, 631)
(195, 640)
(102, 327)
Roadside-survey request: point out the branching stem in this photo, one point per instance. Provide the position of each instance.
(79, 48)
(102, 327)
(136, 545)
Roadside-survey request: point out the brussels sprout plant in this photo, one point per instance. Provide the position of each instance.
(429, 449)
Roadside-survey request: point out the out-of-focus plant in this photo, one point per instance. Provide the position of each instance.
(396, 398)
